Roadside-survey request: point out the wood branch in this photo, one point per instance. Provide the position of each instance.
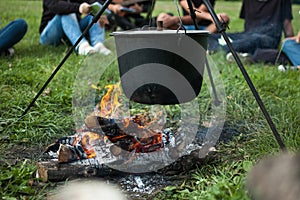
(54, 171)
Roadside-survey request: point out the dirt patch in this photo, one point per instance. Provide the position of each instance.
(15, 153)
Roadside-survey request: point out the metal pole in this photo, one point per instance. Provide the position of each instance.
(221, 30)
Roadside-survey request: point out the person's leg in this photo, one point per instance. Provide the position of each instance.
(192, 27)
(291, 49)
(124, 23)
(242, 42)
(72, 30)
(189, 27)
(96, 34)
(12, 34)
(53, 32)
(212, 43)
(249, 42)
(216, 42)
(270, 56)
(139, 20)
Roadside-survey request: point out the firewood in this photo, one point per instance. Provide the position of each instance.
(55, 172)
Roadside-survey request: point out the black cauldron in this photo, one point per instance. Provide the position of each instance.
(161, 67)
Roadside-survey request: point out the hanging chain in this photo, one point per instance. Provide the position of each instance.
(180, 21)
(150, 15)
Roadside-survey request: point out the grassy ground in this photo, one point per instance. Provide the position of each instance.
(22, 76)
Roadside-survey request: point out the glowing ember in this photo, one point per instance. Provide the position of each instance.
(88, 141)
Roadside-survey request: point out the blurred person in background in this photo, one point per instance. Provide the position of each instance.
(10, 35)
(66, 19)
(275, 177)
(134, 14)
(203, 17)
(264, 23)
(88, 189)
(291, 48)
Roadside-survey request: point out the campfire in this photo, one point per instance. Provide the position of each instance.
(122, 139)
(140, 127)
(107, 136)
(157, 119)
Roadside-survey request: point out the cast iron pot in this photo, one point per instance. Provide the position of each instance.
(161, 67)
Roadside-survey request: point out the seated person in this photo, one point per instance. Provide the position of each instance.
(131, 18)
(11, 34)
(63, 19)
(264, 23)
(203, 17)
(291, 48)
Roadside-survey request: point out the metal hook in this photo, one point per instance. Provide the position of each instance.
(180, 21)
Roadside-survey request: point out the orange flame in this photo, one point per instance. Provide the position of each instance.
(138, 129)
(88, 141)
(110, 101)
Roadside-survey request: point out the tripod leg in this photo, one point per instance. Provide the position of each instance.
(221, 30)
(216, 99)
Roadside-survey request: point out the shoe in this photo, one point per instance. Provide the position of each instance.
(9, 52)
(285, 68)
(246, 57)
(86, 49)
(222, 41)
(99, 47)
(282, 68)
(210, 52)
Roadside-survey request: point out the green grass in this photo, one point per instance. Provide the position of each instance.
(51, 117)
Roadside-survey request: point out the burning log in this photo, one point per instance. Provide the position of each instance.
(52, 171)
(55, 172)
(132, 137)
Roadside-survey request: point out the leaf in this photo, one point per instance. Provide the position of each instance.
(170, 188)
(5, 177)
(9, 198)
(247, 165)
